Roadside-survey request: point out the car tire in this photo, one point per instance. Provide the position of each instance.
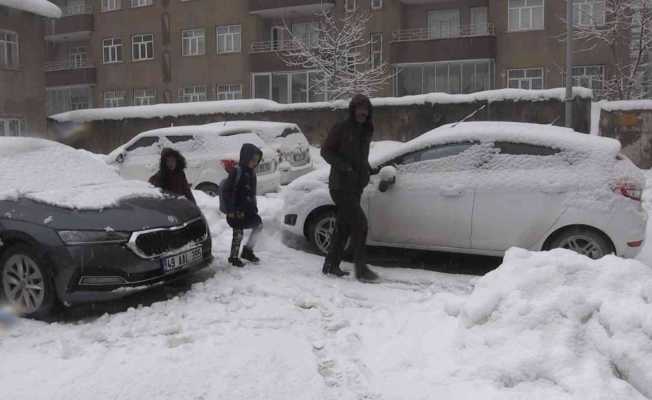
(26, 282)
(320, 230)
(210, 189)
(587, 242)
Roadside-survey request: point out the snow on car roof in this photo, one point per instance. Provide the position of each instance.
(38, 7)
(56, 174)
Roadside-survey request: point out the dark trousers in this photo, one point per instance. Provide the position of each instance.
(250, 221)
(351, 223)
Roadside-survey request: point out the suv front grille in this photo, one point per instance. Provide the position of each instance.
(156, 242)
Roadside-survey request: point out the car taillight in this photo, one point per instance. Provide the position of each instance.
(628, 189)
(229, 165)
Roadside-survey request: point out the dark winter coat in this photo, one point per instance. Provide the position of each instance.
(240, 187)
(172, 181)
(347, 150)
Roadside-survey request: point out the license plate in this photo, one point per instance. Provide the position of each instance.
(299, 157)
(182, 260)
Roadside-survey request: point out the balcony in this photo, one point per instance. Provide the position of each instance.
(272, 46)
(456, 43)
(288, 8)
(68, 73)
(76, 24)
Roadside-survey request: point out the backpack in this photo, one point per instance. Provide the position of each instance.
(224, 193)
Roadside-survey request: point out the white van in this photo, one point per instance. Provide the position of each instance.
(209, 153)
(285, 138)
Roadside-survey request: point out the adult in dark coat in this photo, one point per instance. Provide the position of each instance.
(347, 151)
(171, 176)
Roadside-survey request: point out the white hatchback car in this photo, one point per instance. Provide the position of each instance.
(483, 187)
(286, 138)
(209, 153)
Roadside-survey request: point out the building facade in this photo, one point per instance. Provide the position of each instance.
(108, 53)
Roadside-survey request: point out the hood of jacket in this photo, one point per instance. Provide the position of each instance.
(248, 152)
(168, 152)
(362, 100)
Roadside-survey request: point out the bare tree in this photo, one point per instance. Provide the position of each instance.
(339, 51)
(625, 28)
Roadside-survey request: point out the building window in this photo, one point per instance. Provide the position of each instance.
(479, 21)
(111, 5)
(141, 3)
(376, 4)
(589, 76)
(287, 87)
(229, 92)
(307, 33)
(12, 127)
(9, 49)
(376, 56)
(350, 5)
(194, 42)
(112, 50)
(69, 98)
(447, 76)
(193, 93)
(589, 12)
(526, 15)
(144, 97)
(142, 47)
(229, 39)
(115, 98)
(444, 23)
(530, 78)
(78, 57)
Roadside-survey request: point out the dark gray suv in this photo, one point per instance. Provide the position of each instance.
(72, 230)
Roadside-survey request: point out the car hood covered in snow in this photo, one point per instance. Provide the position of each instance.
(56, 174)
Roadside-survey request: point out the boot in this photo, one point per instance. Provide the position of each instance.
(366, 275)
(333, 270)
(248, 254)
(236, 262)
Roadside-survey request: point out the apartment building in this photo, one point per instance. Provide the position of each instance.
(109, 53)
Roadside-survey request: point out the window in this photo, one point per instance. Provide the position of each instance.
(180, 138)
(350, 5)
(141, 3)
(436, 153)
(589, 76)
(376, 4)
(229, 39)
(112, 50)
(444, 23)
(143, 97)
(64, 99)
(193, 93)
(376, 51)
(12, 127)
(287, 87)
(445, 76)
(143, 142)
(78, 57)
(525, 15)
(111, 5)
(75, 7)
(9, 49)
(307, 33)
(525, 149)
(479, 21)
(531, 78)
(229, 92)
(115, 98)
(277, 37)
(589, 12)
(142, 47)
(193, 42)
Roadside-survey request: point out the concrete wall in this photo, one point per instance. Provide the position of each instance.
(392, 123)
(634, 130)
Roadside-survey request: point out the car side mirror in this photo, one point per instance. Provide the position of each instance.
(120, 158)
(387, 178)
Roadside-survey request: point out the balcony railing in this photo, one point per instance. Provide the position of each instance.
(444, 32)
(67, 65)
(274, 45)
(76, 9)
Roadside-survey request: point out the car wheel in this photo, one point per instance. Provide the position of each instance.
(321, 233)
(210, 189)
(583, 241)
(25, 282)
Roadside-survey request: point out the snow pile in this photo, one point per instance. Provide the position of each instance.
(627, 105)
(562, 326)
(56, 174)
(38, 7)
(251, 106)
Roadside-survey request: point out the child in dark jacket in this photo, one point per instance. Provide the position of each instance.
(171, 176)
(239, 196)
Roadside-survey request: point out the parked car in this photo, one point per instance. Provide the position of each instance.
(286, 139)
(483, 187)
(210, 152)
(72, 230)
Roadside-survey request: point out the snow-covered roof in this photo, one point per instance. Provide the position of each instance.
(38, 7)
(56, 174)
(259, 105)
(201, 130)
(627, 105)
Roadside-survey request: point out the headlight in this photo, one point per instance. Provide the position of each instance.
(93, 237)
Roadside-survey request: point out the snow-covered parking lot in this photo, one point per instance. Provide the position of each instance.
(542, 326)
